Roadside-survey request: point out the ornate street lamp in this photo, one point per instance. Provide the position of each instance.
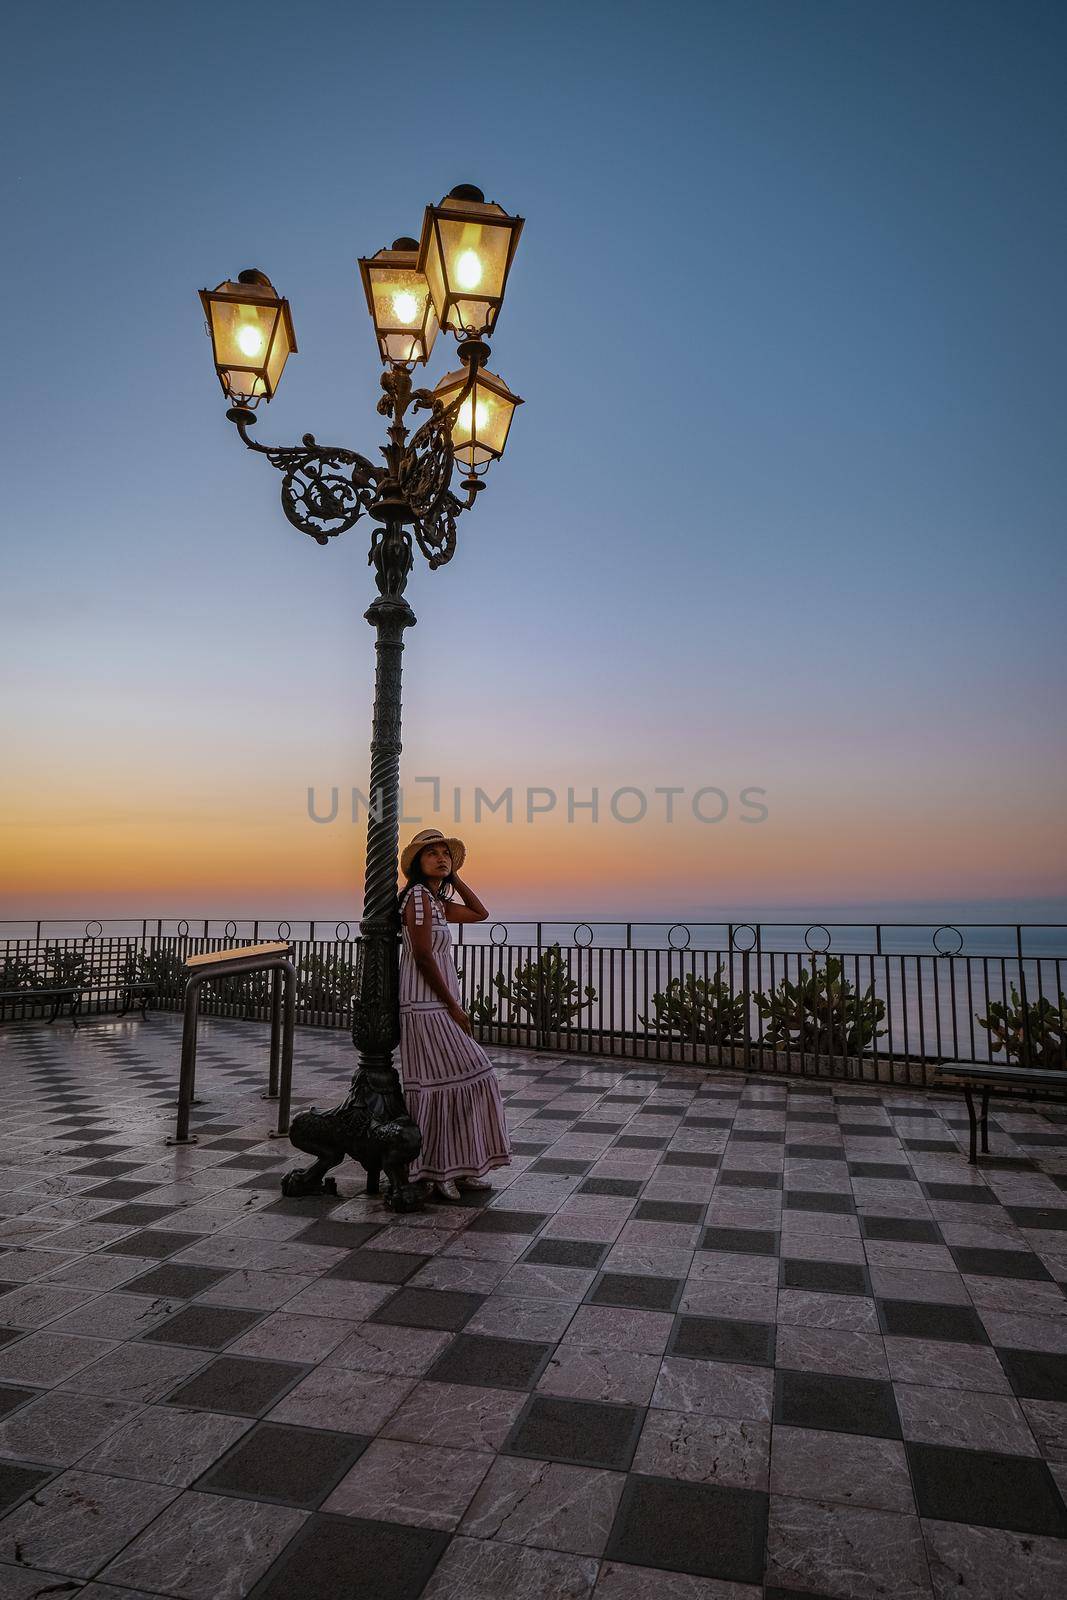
(454, 278)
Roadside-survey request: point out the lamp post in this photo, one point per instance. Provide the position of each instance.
(454, 278)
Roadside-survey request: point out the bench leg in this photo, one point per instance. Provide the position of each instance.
(985, 1121)
(968, 1095)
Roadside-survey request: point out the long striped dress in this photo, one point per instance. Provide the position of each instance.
(450, 1084)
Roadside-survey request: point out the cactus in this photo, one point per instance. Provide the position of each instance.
(1032, 1035)
(545, 992)
(325, 984)
(698, 1010)
(821, 1014)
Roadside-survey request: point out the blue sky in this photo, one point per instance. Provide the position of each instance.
(784, 506)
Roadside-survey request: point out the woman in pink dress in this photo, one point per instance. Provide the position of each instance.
(450, 1084)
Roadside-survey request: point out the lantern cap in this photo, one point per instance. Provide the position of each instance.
(404, 243)
(466, 191)
(253, 275)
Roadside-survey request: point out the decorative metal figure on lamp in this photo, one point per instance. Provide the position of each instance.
(453, 277)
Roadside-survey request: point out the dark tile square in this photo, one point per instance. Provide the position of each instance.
(296, 1466)
(118, 1189)
(99, 1152)
(448, 1309)
(903, 1230)
(136, 1215)
(17, 1482)
(880, 1169)
(229, 1143)
(497, 1220)
(707, 1122)
(251, 1163)
(1035, 1374)
(153, 1242)
(376, 1266)
(983, 1263)
(1052, 1218)
(866, 1130)
(669, 1211)
(834, 1404)
(916, 1319)
(731, 1178)
(526, 1147)
(11, 1395)
(986, 1490)
(815, 1152)
(690, 1158)
(560, 1165)
(204, 1327)
(596, 1127)
(338, 1235)
(320, 1563)
(930, 1146)
(567, 1253)
(971, 1194)
(176, 1281)
(241, 1386)
(640, 1141)
(692, 1528)
(723, 1339)
(9, 1335)
(627, 1187)
(755, 1136)
(474, 1358)
(318, 1205)
(833, 1277)
(743, 1241)
(636, 1289)
(583, 1432)
(817, 1200)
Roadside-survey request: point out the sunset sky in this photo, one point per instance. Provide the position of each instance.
(783, 511)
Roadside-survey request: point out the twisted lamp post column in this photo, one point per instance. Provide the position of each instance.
(453, 277)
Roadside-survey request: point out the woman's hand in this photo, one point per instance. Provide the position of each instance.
(460, 1017)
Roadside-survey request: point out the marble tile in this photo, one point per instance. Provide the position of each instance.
(749, 1302)
(458, 1415)
(811, 1308)
(33, 1305)
(287, 1336)
(136, 1371)
(1021, 1332)
(346, 1298)
(704, 1449)
(845, 1551)
(992, 1564)
(513, 1317)
(620, 1328)
(584, 1372)
(733, 1266)
(486, 1569)
(343, 1398)
(550, 1505)
(384, 1347)
(117, 1315)
(942, 1363)
(934, 1288)
(206, 1547)
(852, 1355)
(166, 1444)
(255, 1291)
(1048, 1424)
(59, 1428)
(428, 1486)
(969, 1420)
(45, 1359)
(715, 1388)
(476, 1277)
(841, 1469)
(79, 1520)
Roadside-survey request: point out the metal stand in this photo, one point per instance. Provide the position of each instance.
(274, 958)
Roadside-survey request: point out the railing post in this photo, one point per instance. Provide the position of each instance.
(1027, 1041)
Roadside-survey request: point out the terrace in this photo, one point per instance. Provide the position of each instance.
(714, 1335)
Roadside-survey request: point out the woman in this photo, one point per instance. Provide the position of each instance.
(449, 1081)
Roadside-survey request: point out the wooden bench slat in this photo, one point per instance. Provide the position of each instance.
(240, 953)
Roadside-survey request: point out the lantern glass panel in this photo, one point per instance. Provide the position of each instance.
(242, 333)
(480, 430)
(403, 313)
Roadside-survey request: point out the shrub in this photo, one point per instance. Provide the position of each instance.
(17, 974)
(164, 968)
(544, 991)
(700, 1010)
(821, 1013)
(1010, 1023)
(69, 967)
(324, 984)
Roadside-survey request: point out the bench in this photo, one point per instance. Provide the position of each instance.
(66, 992)
(970, 1075)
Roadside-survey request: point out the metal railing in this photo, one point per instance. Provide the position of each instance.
(879, 1002)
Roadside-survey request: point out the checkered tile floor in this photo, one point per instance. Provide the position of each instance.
(708, 1339)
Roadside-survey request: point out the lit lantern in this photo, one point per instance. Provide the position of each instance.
(466, 252)
(251, 336)
(480, 430)
(398, 298)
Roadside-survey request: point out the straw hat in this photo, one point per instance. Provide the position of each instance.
(457, 849)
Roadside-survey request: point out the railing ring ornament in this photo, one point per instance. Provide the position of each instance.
(743, 948)
(947, 927)
(583, 944)
(670, 936)
(492, 933)
(99, 929)
(817, 949)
